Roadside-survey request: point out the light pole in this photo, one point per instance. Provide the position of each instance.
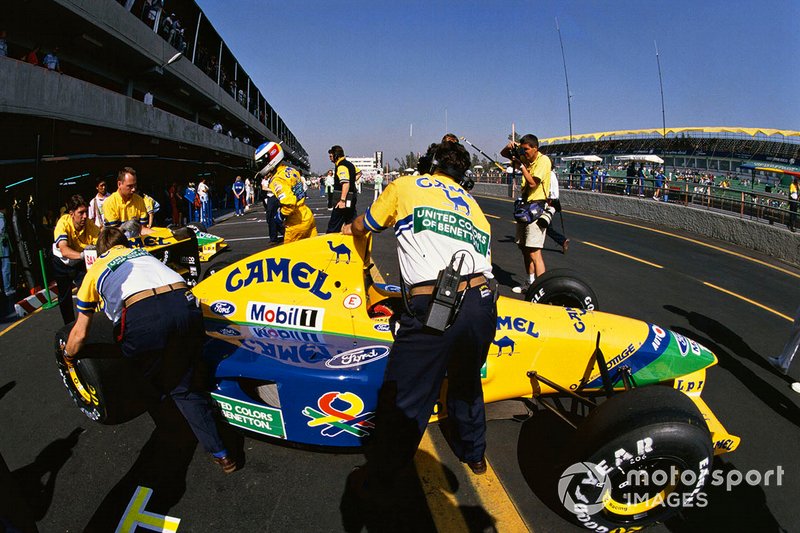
(566, 79)
(663, 113)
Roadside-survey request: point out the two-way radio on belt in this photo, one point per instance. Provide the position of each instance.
(501, 167)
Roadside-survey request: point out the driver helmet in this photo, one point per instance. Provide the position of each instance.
(267, 156)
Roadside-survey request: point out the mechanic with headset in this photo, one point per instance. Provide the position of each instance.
(132, 287)
(74, 231)
(443, 247)
(287, 185)
(344, 190)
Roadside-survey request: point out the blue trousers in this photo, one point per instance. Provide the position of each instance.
(237, 205)
(166, 349)
(417, 365)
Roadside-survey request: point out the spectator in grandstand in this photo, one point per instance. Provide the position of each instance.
(583, 176)
(603, 177)
(50, 61)
(3, 44)
(595, 173)
(794, 188)
(536, 169)
(630, 173)
(642, 176)
(217, 127)
(32, 57)
(148, 98)
(659, 183)
(166, 26)
(96, 203)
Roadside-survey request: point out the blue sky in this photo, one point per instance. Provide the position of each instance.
(359, 73)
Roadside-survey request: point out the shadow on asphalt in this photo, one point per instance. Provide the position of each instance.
(36, 482)
(716, 336)
(725, 509)
(162, 466)
(503, 277)
(6, 388)
(403, 505)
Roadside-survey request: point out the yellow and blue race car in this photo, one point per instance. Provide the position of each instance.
(299, 339)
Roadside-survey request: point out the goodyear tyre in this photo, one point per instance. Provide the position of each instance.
(638, 458)
(106, 387)
(223, 262)
(562, 287)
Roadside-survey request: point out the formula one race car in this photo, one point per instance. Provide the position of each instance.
(300, 336)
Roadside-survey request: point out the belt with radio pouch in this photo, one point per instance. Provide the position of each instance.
(445, 297)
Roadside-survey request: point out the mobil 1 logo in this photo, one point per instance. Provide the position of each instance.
(287, 316)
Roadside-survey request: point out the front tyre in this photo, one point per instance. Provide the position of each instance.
(639, 458)
(106, 387)
(563, 287)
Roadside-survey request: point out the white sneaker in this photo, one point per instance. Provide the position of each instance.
(521, 289)
(796, 386)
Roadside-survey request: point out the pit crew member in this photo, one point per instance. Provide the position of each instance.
(132, 287)
(74, 231)
(344, 190)
(285, 182)
(124, 204)
(428, 214)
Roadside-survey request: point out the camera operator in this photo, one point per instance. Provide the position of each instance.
(417, 208)
(536, 169)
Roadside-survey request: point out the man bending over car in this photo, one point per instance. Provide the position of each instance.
(134, 287)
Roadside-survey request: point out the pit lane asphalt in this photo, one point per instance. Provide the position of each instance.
(76, 475)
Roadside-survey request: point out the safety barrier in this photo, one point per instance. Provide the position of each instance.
(687, 215)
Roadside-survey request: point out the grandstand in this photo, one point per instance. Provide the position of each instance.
(63, 129)
(712, 149)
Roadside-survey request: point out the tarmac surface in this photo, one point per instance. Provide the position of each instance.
(71, 474)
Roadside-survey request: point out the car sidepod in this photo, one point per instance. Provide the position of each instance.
(294, 352)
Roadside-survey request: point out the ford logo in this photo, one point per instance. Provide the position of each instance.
(383, 326)
(223, 308)
(357, 357)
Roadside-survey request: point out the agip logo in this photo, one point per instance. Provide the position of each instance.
(340, 412)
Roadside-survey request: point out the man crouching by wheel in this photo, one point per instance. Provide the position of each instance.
(156, 323)
(449, 321)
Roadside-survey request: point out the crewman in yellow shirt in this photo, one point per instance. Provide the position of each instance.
(74, 231)
(125, 204)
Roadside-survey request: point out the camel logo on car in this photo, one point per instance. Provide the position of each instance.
(223, 308)
(340, 412)
(504, 342)
(360, 356)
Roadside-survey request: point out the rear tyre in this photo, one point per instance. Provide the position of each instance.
(562, 287)
(106, 387)
(647, 453)
(223, 262)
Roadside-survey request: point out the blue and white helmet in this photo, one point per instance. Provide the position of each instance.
(268, 155)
